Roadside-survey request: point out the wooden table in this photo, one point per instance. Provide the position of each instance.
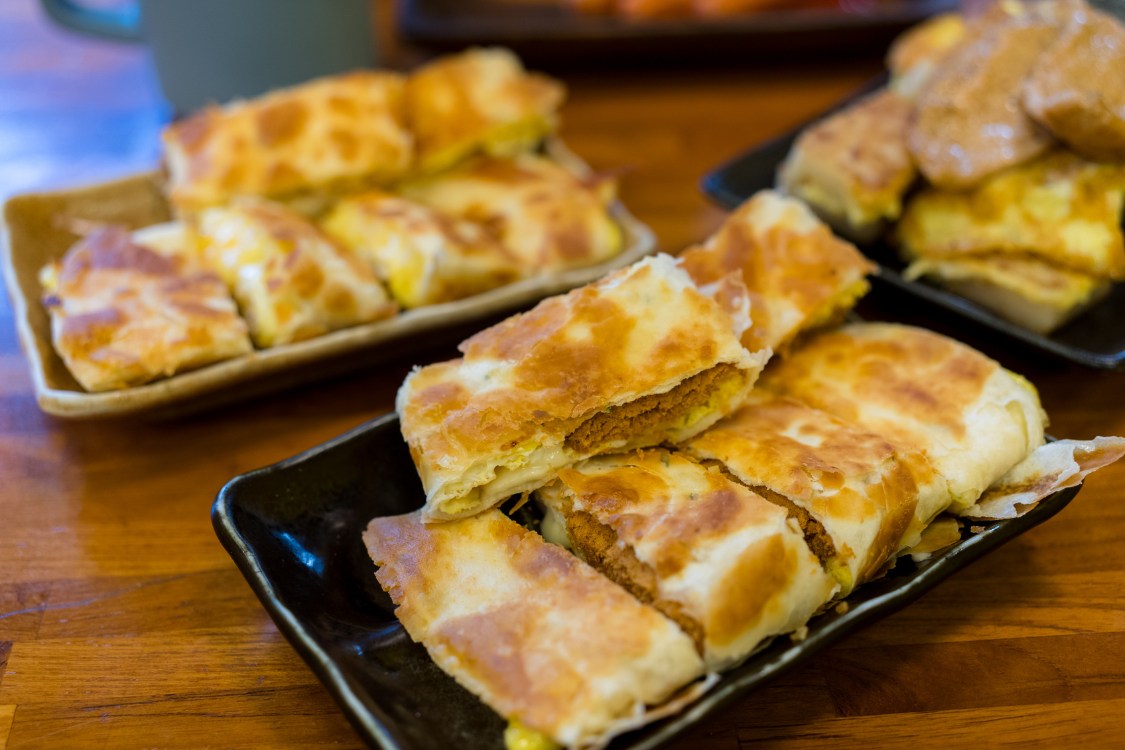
(123, 623)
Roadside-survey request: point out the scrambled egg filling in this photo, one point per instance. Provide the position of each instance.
(519, 737)
(839, 571)
(845, 300)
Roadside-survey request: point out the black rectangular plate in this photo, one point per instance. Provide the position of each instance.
(545, 31)
(294, 531)
(1094, 339)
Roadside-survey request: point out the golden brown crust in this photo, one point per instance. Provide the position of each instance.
(523, 624)
(798, 274)
(931, 378)
(479, 100)
(546, 216)
(123, 314)
(334, 133)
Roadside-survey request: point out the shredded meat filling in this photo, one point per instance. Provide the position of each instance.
(647, 413)
(596, 543)
(816, 536)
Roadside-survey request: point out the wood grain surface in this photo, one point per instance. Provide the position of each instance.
(123, 623)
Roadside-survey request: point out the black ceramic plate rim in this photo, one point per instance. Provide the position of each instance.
(715, 185)
(290, 625)
(770, 662)
(421, 22)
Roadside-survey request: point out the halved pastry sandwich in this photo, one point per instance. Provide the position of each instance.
(292, 282)
(545, 215)
(547, 642)
(972, 419)
(130, 307)
(424, 256)
(308, 142)
(727, 565)
(479, 101)
(641, 357)
(798, 274)
(857, 497)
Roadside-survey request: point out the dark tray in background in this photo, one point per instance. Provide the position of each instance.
(1094, 339)
(294, 531)
(545, 31)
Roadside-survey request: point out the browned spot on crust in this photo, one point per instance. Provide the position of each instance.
(340, 302)
(113, 248)
(514, 337)
(345, 143)
(90, 331)
(712, 514)
(926, 377)
(750, 586)
(307, 278)
(281, 122)
(283, 176)
(343, 105)
(234, 176)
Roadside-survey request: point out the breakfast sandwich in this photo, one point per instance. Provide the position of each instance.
(857, 497)
(534, 632)
(971, 418)
(1060, 208)
(423, 256)
(291, 281)
(545, 215)
(853, 167)
(1028, 291)
(724, 563)
(124, 313)
(323, 137)
(1075, 89)
(968, 122)
(641, 357)
(479, 101)
(799, 275)
(916, 54)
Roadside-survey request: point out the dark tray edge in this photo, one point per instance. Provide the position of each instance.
(782, 654)
(246, 560)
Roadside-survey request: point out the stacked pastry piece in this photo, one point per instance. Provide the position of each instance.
(333, 204)
(1015, 123)
(706, 509)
